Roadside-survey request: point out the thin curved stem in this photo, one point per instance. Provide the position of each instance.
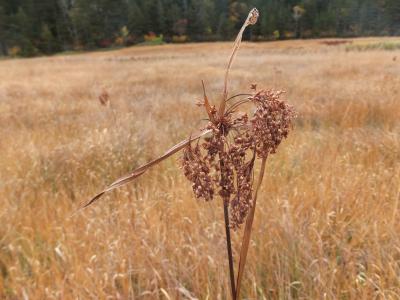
(236, 46)
(237, 104)
(141, 170)
(237, 95)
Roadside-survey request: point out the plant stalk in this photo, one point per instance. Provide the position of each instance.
(236, 46)
(229, 249)
(225, 199)
(247, 231)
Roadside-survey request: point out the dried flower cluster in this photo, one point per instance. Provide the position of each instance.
(197, 170)
(224, 165)
(271, 122)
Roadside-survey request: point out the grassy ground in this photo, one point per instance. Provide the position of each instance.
(327, 223)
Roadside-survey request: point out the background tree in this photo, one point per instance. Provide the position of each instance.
(3, 32)
(392, 9)
(298, 12)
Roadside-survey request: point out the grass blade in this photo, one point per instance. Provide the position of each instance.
(139, 171)
(247, 231)
(207, 104)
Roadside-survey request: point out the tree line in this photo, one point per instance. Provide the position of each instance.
(36, 27)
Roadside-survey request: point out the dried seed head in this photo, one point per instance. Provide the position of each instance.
(197, 170)
(253, 16)
(227, 176)
(242, 201)
(223, 165)
(271, 121)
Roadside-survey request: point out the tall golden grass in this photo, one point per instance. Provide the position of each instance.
(327, 218)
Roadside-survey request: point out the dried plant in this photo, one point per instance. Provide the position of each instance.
(220, 160)
(104, 98)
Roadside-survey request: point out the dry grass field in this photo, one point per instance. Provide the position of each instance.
(327, 222)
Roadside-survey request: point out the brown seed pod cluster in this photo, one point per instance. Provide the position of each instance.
(271, 122)
(230, 151)
(197, 170)
(242, 201)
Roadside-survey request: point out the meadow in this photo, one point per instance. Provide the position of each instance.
(328, 215)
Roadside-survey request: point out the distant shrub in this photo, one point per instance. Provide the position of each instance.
(289, 34)
(131, 40)
(119, 41)
(27, 48)
(179, 38)
(152, 39)
(395, 45)
(123, 36)
(105, 43)
(180, 27)
(124, 32)
(336, 42)
(14, 51)
(307, 33)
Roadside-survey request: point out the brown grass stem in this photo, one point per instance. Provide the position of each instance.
(229, 248)
(139, 171)
(237, 95)
(249, 21)
(237, 104)
(247, 230)
(225, 198)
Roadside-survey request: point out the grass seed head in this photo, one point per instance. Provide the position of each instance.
(231, 149)
(271, 121)
(197, 170)
(253, 16)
